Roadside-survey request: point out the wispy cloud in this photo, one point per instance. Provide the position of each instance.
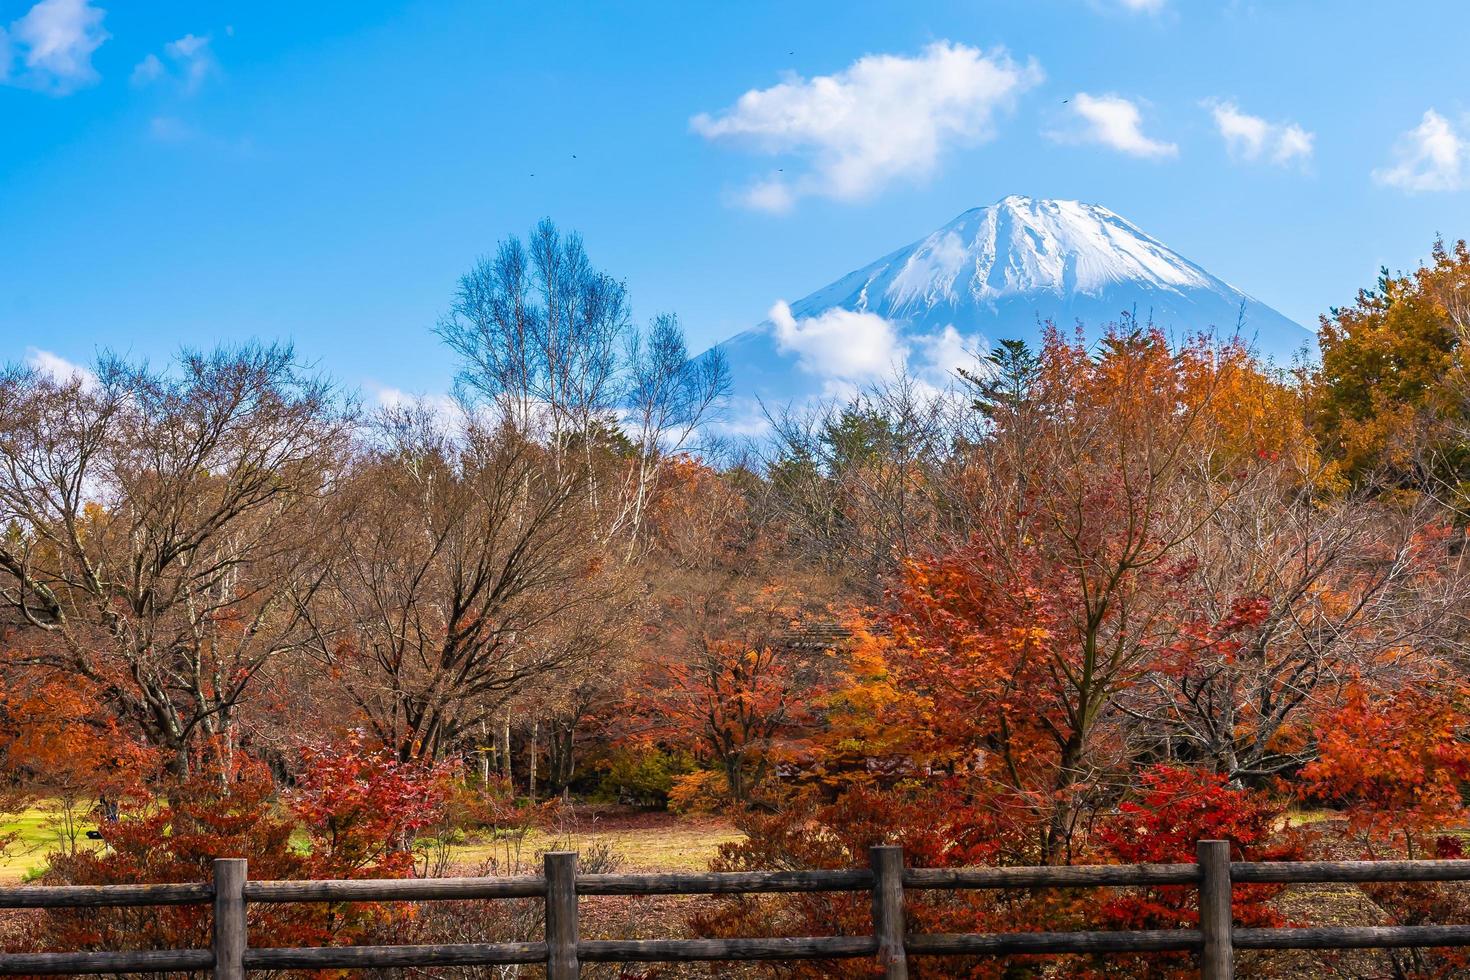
(1253, 138)
(59, 367)
(189, 61)
(1130, 8)
(50, 46)
(1112, 121)
(883, 118)
(150, 69)
(1432, 156)
(194, 57)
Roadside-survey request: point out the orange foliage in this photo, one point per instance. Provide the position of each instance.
(1389, 396)
(1396, 760)
(728, 686)
(60, 735)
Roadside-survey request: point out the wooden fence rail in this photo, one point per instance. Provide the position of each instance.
(890, 944)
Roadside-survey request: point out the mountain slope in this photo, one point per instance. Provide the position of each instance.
(992, 273)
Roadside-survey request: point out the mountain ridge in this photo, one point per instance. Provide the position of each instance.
(989, 274)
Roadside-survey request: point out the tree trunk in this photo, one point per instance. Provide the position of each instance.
(484, 748)
(505, 772)
(1057, 833)
(560, 754)
(531, 760)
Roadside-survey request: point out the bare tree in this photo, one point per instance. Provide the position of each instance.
(549, 346)
(467, 568)
(549, 350)
(1352, 590)
(668, 397)
(539, 331)
(159, 527)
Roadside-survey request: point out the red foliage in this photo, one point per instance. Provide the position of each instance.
(362, 808)
(1173, 809)
(56, 735)
(174, 840)
(359, 810)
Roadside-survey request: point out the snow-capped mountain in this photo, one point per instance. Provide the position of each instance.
(993, 273)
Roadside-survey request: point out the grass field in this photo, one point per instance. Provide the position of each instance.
(35, 837)
(642, 842)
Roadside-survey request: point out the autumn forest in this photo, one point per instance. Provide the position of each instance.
(1095, 600)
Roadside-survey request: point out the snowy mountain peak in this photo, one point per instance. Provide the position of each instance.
(993, 273)
(1015, 247)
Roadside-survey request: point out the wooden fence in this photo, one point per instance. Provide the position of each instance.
(890, 944)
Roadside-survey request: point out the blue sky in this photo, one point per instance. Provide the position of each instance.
(184, 173)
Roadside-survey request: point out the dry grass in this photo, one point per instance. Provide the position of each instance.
(641, 841)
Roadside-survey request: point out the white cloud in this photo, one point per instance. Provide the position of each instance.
(851, 352)
(839, 344)
(1430, 157)
(883, 118)
(53, 42)
(190, 61)
(771, 194)
(148, 70)
(945, 352)
(59, 367)
(446, 412)
(1249, 137)
(1293, 143)
(1143, 6)
(1115, 122)
(397, 398)
(190, 47)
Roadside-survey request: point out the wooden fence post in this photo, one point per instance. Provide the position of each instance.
(1217, 955)
(561, 916)
(229, 918)
(888, 915)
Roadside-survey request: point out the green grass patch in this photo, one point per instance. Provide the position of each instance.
(37, 835)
